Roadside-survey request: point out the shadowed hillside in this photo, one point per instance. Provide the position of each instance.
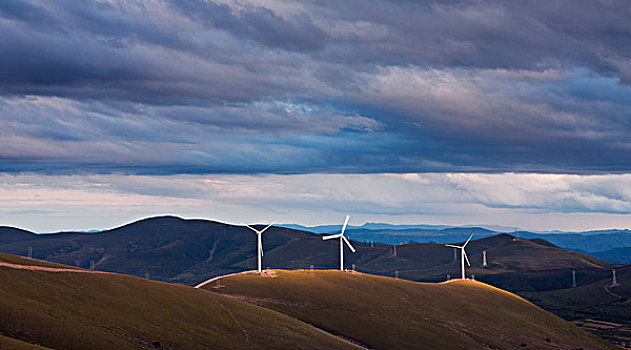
(71, 310)
(386, 313)
(12, 234)
(165, 248)
(599, 300)
(188, 251)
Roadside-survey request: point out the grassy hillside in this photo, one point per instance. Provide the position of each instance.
(514, 265)
(68, 310)
(387, 313)
(591, 300)
(164, 248)
(595, 301)
(12, 234)
(7, 343)
(189, 251)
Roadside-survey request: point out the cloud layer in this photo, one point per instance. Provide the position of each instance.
(531, 201)
(185, 87)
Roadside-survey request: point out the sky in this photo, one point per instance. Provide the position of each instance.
(454, 112)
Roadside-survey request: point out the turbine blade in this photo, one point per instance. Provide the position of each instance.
(348, 216)
(465, 257)
(348, 244)
(268, 226)
(251, 228)
(261, 252)
(465, 244)
(451, 245)
(331, 236)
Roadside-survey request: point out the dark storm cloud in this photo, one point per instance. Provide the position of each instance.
(351, 86)
(258, 24)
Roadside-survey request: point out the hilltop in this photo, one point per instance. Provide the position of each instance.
(381, 312)
(88, 310)
(12, 234)
(188, 251)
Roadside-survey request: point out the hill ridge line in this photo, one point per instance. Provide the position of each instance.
(222, 276)
(49, 269)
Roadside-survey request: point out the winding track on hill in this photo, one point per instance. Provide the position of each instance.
(606, 287)
(47, 269)
(222, 276)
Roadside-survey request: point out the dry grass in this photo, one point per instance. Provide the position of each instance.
(68, 310)
(7, 343)
(386, 313)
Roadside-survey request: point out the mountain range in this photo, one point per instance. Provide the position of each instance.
(187, 252)
(612, 246)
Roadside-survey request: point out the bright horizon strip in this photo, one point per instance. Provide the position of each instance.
(530, 201)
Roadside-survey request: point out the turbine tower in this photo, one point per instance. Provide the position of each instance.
(463, 255)
(259, 251)
(342, 241)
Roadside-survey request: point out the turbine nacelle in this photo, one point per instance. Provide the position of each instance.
(326, 238)
(348, 244)
(259, 233)
(342, 238)
(463, 252)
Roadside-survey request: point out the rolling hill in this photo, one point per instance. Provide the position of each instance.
(165, 248)
(387, 313)
(188, 251)
(88, 310)
(12, 234)
(599, 300)
(607, 245)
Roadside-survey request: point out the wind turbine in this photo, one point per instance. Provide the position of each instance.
(342, 241)
(259, 252)
(463, 256)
